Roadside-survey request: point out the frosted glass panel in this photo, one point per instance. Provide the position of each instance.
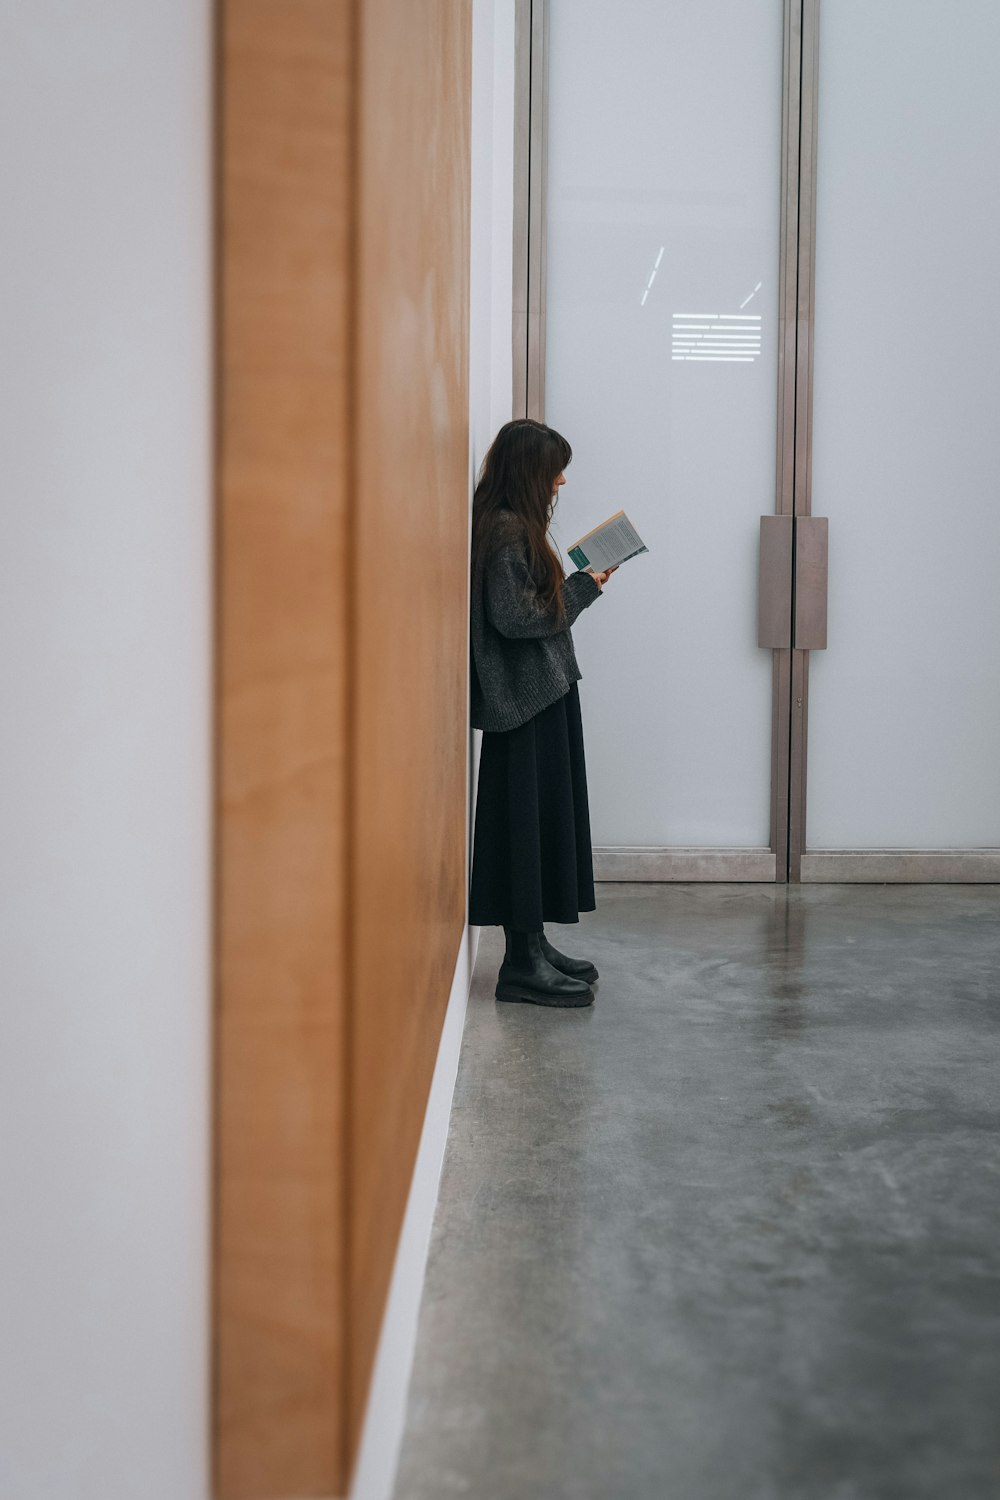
(661, 370)
(904, 707)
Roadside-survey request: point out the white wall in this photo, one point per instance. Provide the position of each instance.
(105, 749)
(492, 237)
(491, 363)
(490, 377)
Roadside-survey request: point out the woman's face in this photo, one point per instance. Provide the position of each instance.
(557, 483)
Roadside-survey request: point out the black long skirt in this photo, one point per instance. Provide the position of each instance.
(531, 855)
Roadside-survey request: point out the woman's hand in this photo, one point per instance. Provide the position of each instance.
(601, 578)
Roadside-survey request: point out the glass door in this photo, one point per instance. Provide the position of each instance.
(656, 326)
(904, 706)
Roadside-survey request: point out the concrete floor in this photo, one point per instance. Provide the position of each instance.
(733, 1234)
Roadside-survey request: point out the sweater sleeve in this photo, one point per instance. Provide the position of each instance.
(511, 599)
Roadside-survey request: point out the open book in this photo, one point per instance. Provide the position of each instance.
(609, 544)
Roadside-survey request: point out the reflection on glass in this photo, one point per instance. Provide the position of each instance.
(732, 338)
(652, 276)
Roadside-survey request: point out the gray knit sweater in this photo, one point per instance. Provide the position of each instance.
(522, 659)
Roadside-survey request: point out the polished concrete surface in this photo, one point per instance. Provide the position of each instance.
(734, 1233)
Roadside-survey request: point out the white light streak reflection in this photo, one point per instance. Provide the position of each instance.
(728, 338)
(652, 276)
(725, 317)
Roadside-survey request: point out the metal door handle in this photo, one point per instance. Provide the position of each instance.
(810, 583)
(774, 588)
(792, 545)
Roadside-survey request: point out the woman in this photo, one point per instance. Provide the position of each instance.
(531, 859)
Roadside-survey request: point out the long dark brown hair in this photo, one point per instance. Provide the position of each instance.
(518, 472)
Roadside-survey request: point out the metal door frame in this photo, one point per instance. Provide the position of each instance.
(802, 618)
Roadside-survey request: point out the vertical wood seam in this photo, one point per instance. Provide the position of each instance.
(352, 552)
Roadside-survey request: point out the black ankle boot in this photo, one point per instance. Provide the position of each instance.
(577, 968)
(526, 974)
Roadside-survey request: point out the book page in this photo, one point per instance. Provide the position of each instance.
(608, 545)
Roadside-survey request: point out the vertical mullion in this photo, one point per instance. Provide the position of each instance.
(522, 202)
(537, 135)
(806, 261)
(788, 267)
(805, 308)
(788, 258)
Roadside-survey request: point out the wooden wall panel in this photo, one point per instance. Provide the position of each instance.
(411, 608)
(285, 222)
(343, 681)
